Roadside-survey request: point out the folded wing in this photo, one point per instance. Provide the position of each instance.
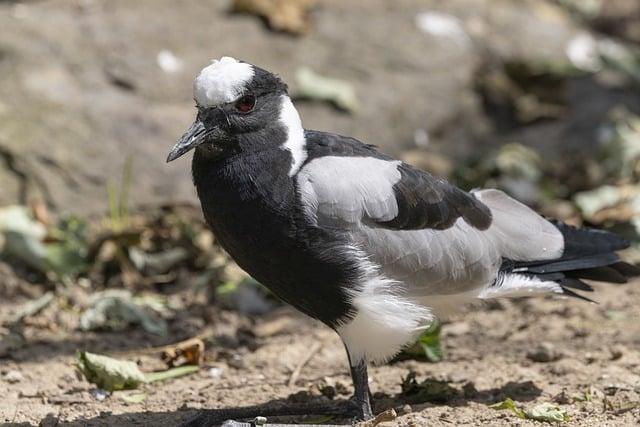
(421, 230)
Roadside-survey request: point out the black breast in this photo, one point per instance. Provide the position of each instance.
(252, 206)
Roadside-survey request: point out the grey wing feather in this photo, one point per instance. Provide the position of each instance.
(360, 196)
(385, 193)
(428, 202)
(345, 191)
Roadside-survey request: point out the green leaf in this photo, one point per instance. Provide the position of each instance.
(64, 260)
(428, 347)
(547, 412)
(26, 248)
(157, 263)
(113, 374)
(583, 397)
(430, 343)
(116, 310)
(32, 307)
(63, 253)
(226, 288)
(108, 373)
(67, 255)
(509, 404)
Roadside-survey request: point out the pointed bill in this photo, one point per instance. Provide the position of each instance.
(193, 137)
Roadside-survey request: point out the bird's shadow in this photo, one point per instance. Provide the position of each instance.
(336, 411)
(523, 391)
(328, 412)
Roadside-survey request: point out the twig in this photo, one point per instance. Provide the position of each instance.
(296, 372)
(33, 307)
(386, 416)
(180, 371)
(151, 350)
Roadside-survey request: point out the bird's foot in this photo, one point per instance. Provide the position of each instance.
(361, 408)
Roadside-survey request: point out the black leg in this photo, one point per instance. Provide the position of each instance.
(360, 404)
(361, 398)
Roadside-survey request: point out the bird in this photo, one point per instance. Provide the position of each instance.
(370, 246)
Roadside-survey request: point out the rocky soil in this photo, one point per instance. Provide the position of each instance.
(583, 357)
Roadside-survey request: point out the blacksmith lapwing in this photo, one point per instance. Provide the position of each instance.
(370, 246)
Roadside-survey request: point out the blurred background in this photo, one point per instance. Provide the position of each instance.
(103, 248)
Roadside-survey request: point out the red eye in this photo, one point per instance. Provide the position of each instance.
(246, 103)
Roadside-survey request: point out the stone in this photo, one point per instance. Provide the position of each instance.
(13, 377)
(544, 352)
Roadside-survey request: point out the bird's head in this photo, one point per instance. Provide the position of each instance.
(232, 98)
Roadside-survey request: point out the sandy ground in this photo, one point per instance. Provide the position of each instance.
(487, 359)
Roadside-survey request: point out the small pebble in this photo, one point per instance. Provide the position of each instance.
(404, 410)
(562, 398)
(544, 352)
(259, 421)
(589, 358)
(566, 366)
(328, 391)
(216, 372)
(237, 361)
(13, 377)
(456, 329)
(99, 394)
(617, 351)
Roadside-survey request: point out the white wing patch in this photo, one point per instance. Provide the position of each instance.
(296, 142)
(221, 82)
(518, 285)
(346, 190)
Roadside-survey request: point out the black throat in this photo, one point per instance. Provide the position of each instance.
(251, 203)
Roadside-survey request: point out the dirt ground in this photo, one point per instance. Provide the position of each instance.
(594, 373)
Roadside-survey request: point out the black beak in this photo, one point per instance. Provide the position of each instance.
(193, 137)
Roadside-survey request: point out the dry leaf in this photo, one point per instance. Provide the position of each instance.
(340, 93)
(281, 15)
(189, 352)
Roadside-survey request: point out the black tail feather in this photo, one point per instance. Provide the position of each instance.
(578, 284)
(599, 274)
(588, 254)
(626, 269)
(570, 293)
(565, 264)
(581, 242)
